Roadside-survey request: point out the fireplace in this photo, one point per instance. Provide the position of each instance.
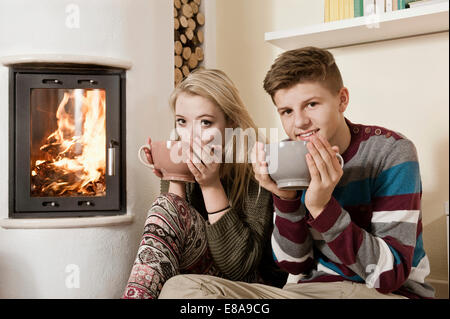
(67, 141)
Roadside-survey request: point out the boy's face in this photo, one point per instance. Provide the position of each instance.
(308, 108)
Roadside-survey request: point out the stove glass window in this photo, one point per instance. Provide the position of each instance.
(68, 142)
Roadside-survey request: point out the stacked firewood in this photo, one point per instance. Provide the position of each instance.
(188, 25)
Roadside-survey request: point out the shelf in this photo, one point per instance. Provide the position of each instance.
(65, 58)
(387, 26)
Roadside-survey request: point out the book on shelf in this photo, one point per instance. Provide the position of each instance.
(331, 7)
(389, 6)
(407, 2)
(327, 11)
(350, 8)
(347, 9)
(420, 3)
(334, 10)
(380, 6)
(358, 8)
(369, 7)
(403, 4)
(339, 10)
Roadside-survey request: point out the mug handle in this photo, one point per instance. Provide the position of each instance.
(145, 162)
(341, 160)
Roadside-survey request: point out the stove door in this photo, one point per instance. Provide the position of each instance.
(65, 127)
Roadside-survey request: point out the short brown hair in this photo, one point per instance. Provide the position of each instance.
(308, 64)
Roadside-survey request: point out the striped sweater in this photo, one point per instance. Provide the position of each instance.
(371, 229)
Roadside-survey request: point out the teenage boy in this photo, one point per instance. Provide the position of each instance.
(361, 223)
(356, 232)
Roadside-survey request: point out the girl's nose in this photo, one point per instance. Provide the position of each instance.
(184, 133)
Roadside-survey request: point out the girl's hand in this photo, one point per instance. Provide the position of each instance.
(205, 166)
(325, 170)
(260, 168)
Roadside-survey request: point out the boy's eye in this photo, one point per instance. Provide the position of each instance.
(312, 104)
(181, 121)
(286, 112)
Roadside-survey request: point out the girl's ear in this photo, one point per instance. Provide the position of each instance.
(343, 99)
(230, 122)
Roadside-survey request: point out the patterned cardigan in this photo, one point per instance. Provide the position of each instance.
(240, 240)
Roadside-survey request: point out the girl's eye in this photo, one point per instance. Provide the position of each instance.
(205, 123)
(286, 112)
(312, 104)
(181, 121)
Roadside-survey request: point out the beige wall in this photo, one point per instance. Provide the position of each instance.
(399, 84)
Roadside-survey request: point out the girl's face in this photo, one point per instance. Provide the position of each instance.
(198, 118)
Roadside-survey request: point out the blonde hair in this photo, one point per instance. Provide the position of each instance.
(215, 86)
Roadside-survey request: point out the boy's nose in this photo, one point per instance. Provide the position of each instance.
(301, 120)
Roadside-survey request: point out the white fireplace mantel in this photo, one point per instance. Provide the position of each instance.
(65, 58)
(75, 222)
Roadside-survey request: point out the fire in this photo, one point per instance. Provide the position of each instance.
(74, 162)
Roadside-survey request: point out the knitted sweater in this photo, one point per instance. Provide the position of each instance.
(239, 241)
(371, 229)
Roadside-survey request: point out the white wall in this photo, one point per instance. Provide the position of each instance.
(33, 262)
(400, 84)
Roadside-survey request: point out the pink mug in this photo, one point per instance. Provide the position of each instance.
(170, 158)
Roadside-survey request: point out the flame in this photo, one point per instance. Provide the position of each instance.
(76, 149)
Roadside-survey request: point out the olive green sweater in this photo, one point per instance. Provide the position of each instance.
(240, 240)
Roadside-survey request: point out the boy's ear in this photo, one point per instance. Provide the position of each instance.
(343, 99)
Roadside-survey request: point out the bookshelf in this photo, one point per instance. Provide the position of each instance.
(391, 25)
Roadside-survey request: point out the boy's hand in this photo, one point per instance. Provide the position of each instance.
(325, 170)
(260, 168)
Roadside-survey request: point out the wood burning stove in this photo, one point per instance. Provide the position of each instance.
(67, 141)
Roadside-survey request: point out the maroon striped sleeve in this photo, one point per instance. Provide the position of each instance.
(295, 267)
(397, 202)
(347, 243)
(392, 280)
(327, 218)
(286, 205)
(293, 231)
